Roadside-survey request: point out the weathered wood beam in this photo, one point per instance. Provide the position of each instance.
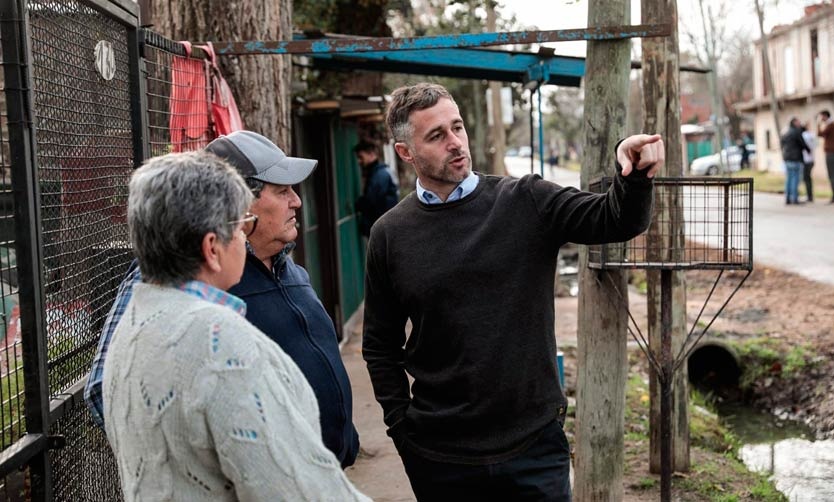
(367, 44)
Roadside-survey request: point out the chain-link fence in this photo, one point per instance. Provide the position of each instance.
(12, 422)
(81, 115)
(84, 153)
(178, 91)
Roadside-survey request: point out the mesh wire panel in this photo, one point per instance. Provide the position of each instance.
(12, 424)
(80, 72)
(84, 147)
(178, 94)
(697, 223)
(84, 470)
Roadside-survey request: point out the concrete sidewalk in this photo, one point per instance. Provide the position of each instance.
(378, 471)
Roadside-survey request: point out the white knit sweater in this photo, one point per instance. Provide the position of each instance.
(200, 405)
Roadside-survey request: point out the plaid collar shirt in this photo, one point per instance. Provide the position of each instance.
(92, 390)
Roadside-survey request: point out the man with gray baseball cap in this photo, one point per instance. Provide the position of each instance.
(256, 157)
(280, 300)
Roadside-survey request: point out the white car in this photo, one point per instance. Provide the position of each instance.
(732, 161)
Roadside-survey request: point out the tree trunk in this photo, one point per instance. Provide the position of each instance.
(480, 162)
(260, 84)
(774, 102)
(365, 18)
(498, 136)
(602, 326)
(712, 79)
(661, 91)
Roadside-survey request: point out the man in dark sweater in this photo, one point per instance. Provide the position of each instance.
(471, 261)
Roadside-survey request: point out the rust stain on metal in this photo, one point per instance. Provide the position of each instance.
(364, 44)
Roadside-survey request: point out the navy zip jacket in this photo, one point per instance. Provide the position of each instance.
(380, 195)
(288, 311)
(793, 145)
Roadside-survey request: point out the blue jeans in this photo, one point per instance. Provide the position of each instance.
(794, 170)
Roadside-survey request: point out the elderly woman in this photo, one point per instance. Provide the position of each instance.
(200, 405)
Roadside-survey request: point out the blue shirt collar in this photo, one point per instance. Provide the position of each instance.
(214, 295)
(466, 187)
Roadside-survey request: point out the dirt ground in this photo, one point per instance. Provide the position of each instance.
(790, 311)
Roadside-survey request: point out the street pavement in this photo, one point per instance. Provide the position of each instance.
(798, 239)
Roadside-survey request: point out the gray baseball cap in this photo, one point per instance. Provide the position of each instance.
(254, 156)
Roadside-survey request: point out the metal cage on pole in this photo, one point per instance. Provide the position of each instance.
(697, 223)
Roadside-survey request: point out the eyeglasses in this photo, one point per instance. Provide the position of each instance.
(250, 223)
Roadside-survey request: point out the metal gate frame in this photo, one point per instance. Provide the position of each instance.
(41, 411)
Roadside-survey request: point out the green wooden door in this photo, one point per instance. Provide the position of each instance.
(351, 247)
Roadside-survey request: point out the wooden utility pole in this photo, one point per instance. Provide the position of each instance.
(603, 317)
(661, 97)
(260, 84)
(498, 136)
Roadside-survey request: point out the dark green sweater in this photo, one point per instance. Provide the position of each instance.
(476, 278)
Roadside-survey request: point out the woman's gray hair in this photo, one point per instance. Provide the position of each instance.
(174, 201)
(408, 99)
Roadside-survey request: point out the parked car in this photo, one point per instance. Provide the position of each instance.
(525, 151)
(710, 165)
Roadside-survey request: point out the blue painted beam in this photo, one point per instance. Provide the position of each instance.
(365, 44)
(500, 66)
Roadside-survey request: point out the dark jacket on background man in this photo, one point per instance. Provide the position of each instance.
(793, 144)
(285, 307)
(380, 195)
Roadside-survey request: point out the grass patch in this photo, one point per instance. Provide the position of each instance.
(770, 182)
(717, 474)
(721, 480)
(572, 165)
(638, 279)
(706, 430)
(764, 357)
(645, 484)
(12, 405)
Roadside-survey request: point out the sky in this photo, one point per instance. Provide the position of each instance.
(569, 14)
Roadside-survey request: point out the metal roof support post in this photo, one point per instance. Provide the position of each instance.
(532, 160)
(541, 135)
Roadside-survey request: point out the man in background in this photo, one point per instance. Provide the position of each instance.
(792, 147)
(808, 160)
(825, 130)
(380, 193)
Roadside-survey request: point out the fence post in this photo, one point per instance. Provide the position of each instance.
(17, 58)
(138, 95)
